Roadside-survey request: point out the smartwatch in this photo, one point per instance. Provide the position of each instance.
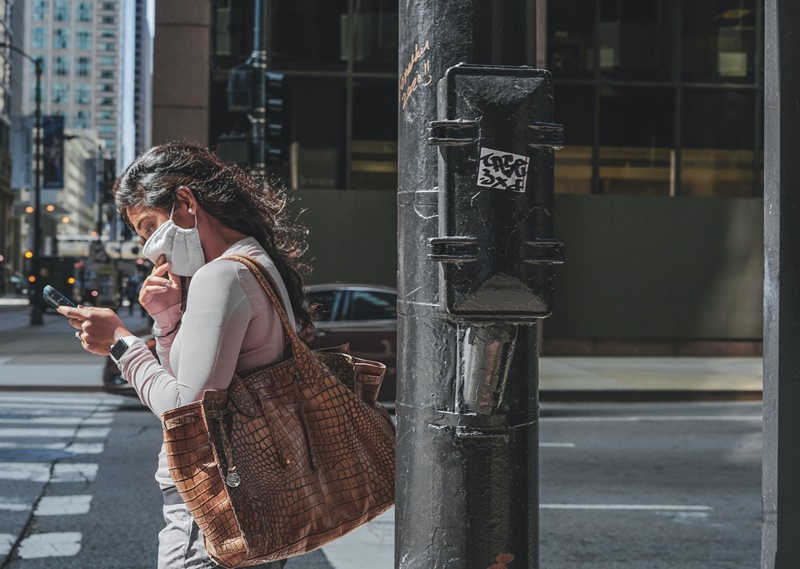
(118, 350)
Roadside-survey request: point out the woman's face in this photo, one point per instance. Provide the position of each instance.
(146, 220)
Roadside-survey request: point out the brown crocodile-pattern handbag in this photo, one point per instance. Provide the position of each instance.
(290, 457)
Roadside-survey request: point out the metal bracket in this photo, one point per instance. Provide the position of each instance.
(546, 134)
(458, 132)
(544, 252)
(453, 249)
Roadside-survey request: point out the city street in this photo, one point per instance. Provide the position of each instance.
(623, 485)
(630, 485)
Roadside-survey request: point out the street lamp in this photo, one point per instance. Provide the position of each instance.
(36, 298)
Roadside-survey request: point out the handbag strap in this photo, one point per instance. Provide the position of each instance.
(291, 339)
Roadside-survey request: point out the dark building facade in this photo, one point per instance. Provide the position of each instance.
(658, 190)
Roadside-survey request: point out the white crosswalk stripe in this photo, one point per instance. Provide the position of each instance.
(49, 439)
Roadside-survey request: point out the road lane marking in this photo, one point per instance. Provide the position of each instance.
(86, 448)
(557, 445)
(652, 418)
(45, 399)
(60, 420)
(80, 433)
(43, 408)
(74, 472)
(40, 472)
(14, 507)
(74, 448)
(60, 544)
(63, 505)
(647, 507)
(6, 543)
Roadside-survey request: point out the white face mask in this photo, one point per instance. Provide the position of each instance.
(180, 246)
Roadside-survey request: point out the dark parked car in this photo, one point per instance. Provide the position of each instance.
(360, 315)
(363, 316)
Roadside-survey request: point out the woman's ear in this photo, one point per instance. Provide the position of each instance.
(185, 198)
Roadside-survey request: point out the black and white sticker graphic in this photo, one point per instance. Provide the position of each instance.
(504, 170)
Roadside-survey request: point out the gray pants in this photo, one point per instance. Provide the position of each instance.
(180, 544)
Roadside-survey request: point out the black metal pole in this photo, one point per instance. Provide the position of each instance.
(781, 402)
(467, 403)
(36, 300)
(259, 60)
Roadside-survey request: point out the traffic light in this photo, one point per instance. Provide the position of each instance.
(277, 125)
(240, 88)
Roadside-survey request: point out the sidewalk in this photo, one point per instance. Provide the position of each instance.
(31, 352)
(49, 356)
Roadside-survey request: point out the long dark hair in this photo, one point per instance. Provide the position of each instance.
(240, 201)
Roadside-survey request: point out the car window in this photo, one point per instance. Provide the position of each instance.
(326, 300)
(371, 305)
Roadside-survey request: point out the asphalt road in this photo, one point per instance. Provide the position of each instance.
(622, 486)
(651, 486)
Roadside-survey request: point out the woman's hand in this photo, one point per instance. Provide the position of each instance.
(99, 328)
(159, 290)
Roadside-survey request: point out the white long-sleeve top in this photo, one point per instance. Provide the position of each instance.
(229, 326)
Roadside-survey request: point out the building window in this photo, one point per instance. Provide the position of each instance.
(105, 115)
(659, 97)
(106, 74)
(106, 102)
(83, 93)
(61, 38)
(61, 11)
(60, 93)
(81, 120)
(84, 39)
(108, 20)
(85, 12)
(109, 6)
(83, 68)
(107, 47)
(106, 88)
(108, 34)
(108, 60)
(61, 66)
(40, 8)
(106, 128)
(38, 38)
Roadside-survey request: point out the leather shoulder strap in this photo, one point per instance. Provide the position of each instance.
(275, 297)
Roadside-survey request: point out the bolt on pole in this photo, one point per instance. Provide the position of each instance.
(475, 257)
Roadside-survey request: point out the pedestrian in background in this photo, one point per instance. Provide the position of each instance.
(190, 208)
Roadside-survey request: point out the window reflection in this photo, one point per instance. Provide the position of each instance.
(308, 34)
(374, 36)
(717, 155)
(636, 38)
(719, 40)
(374, 146)
(570, 38)
(637, 137)
(574, 108)
(317, 149)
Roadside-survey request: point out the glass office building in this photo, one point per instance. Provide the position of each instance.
(658, 191)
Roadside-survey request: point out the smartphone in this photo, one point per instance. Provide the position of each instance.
(55, 298)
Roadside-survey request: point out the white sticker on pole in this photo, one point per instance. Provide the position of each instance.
(503, 170)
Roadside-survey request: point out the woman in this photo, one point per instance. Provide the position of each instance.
(189, 208)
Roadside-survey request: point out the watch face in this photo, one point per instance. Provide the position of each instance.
(119, 349)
